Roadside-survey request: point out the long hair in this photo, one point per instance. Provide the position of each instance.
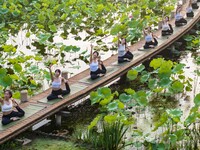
(10, 92)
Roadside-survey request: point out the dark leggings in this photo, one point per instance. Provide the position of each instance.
(191, 14)
(195, 6)
(6, 119)
(148, 44)
(128, 55)
(96, 74)
(168, 32)
(54, 94)
(181, 22)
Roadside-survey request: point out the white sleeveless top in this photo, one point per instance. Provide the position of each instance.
(165, 27)
(178, 16)
(56, 84)
(148, 38)
(7, 107)
(189, 9)
(121, 50)
(94, 66)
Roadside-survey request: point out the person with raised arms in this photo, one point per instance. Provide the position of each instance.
(150, 38)
(124, 53)
(179, 20)
(189, 10)
(57, 91)
(7, 104)
(166, 27)
(97, 68)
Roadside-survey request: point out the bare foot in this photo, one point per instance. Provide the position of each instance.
(15, 118)
(60, 96)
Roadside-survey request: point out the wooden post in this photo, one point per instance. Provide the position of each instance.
(65, 74)
(58, 119)
(24, 96)
(160, 25)
(172, 14)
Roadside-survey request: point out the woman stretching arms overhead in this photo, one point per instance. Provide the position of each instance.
(7, 104)
(57, 91)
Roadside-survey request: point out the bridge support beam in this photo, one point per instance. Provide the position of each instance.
(122, 79)
(58, 119)
(24, 96)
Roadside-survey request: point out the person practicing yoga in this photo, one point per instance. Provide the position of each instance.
(166, 27)
(194, 4)
(97, 68)
(124, 53)
(150, 39)
(7, 104)
(57, 91)
(179, 20)
(189, 10)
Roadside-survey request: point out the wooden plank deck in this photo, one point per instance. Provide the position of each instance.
(41, 109)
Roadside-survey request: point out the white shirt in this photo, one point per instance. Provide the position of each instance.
(121, 50)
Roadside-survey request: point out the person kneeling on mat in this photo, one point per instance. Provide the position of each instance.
(124, 53)
(9, 115)
(166, 27)
(150, 39)
(194, 4)
(179, 20)
(97, 68)
(57, 91)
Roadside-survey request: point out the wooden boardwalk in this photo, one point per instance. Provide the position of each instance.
(38, 108)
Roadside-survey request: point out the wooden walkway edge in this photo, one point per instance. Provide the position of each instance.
(48, 109)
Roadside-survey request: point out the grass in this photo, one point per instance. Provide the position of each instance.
(50, 144)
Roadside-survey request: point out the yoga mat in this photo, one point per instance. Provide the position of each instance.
(75, 88)
(29, 110)
(110, 70)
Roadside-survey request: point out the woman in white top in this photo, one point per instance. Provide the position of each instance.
(189, 10)
(194, 4)
(179, 20)
(7, 104)
(150, 39)
(124, 53)
(97, 68)
(166, 27)
(57, 91)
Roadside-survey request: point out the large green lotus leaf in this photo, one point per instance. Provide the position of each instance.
(17, 95)
(95, 97)
(3, 72)
(152, 84)
(105, 101)
(17, 67)
(177, 86)
(173, 138)
(197, 100)
(112, 106)
(144, 78)
(139, 68)
(178, 68)
(110, 118)
(4, 11)
(160, 146)
(104, 91)
(6, 81)
(163, 119)
(142, 101)
(125, 98)
(180, 134)
(132, 74)
(165, 82)
(190, 119)
(130, 91)
(53, 28)
(175, 114)
(156, 63)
